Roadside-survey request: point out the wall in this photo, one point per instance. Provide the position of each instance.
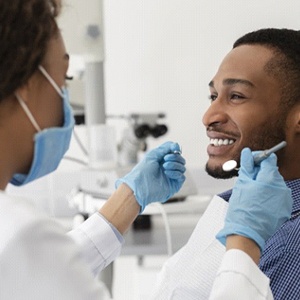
(161, 54)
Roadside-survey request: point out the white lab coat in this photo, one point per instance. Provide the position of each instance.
(190, 273)
(38, 260)
(239, 278)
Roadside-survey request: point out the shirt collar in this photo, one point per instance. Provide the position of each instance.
(294, 185)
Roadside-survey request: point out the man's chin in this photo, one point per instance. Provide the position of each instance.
(219, 173)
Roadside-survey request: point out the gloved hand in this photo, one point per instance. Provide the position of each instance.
(260, 202)
(158, 176)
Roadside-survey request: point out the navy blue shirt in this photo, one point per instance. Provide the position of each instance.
(280, 260)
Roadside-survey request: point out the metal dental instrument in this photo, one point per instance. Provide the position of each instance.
(178, 151)
(260, 157)
(231, 164)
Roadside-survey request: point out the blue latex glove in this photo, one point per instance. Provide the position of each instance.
(158, 176)
(260, 202)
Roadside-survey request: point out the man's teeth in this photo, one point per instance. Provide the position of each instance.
(220, 142)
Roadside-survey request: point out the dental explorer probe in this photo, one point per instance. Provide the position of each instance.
(231, 164)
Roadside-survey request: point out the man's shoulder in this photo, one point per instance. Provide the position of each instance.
(279, 258)
(292, 232)
(285, 240)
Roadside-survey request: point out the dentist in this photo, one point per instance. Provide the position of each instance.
(37, 259)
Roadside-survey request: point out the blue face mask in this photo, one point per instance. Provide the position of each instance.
(50, 144)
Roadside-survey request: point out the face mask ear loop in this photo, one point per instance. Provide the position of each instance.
(52, 82)
(28, 113)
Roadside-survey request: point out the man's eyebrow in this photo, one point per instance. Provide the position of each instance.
(233, 81)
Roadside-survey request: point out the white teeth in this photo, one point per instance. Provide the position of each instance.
(220, 142)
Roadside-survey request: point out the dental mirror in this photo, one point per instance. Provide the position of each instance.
(229, 165)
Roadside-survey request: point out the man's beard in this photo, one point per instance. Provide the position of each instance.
(219, 173)
(271, 134)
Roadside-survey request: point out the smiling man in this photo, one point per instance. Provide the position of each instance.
(255, 103)
(248, 107)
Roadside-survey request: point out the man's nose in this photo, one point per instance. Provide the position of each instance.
(215, 114)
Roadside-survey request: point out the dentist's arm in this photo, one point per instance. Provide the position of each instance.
(155, 179)
(260, 203)
(121, 208)
(244, 244)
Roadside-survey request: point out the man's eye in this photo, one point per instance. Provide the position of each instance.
(236, 97)
(212, 97)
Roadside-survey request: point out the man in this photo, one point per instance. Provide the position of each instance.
(255, 103)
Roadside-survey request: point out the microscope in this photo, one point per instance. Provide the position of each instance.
(98, 180)
(141, 126)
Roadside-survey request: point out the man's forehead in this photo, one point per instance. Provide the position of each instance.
(243, 65)
(247, 55)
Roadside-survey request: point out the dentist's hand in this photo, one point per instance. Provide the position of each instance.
(158, 176)
(260, 202)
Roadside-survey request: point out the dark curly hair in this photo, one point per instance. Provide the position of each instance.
(285, 64)
(26, 26)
